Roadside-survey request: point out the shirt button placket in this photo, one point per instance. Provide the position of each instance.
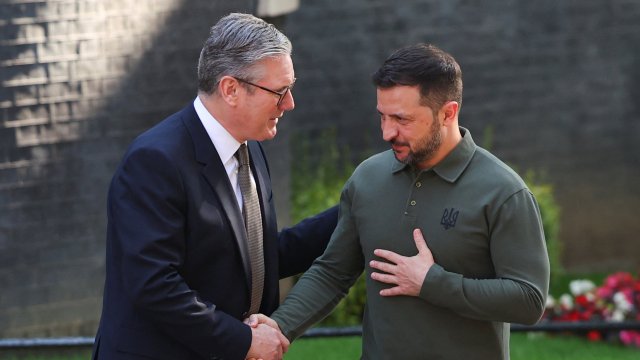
(412, 202)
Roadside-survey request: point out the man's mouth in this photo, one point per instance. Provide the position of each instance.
(397, 146)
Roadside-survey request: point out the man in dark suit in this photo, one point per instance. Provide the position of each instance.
(179, 270)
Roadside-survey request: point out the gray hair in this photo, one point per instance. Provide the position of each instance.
(235, 44)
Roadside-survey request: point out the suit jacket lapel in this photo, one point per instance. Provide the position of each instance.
(216, 175)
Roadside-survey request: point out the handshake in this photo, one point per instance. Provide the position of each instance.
(267, 341)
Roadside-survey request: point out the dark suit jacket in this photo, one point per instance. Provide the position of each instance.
(177, 269)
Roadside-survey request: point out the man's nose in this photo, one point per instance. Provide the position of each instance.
(288, 103)
(389, 131)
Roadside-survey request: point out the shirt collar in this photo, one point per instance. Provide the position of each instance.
(453, 165)
(226, 145)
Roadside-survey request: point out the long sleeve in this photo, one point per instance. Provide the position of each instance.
(327, 281)
(518, 252)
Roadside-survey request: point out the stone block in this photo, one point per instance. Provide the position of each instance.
(21, 75)
(89, 48)
(58, 71)
(27, 115)
(55, 92)
(17, 55)
(57, 51)
(59, 30)
(25, 95)
(89, 69)
(16, 10)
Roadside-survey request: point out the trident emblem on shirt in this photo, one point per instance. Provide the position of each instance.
(449, 218)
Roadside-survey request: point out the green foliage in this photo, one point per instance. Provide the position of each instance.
(317, 179)
(550, 213)
(317, 175)
(532, 346)
(325, 348)
(536, 346)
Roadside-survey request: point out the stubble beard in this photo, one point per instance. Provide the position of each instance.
(426, 148)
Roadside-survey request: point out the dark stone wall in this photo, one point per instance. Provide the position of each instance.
(556, 83)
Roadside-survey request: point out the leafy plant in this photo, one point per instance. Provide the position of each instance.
(317, 180)
(550, 213)
(318, 174)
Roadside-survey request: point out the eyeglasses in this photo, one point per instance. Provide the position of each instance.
(281, 94)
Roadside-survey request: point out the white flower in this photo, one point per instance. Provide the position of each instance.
(551, 302)
(566, 301)
(622, 304)
(617, 316)
(590, 297)
(579, 287)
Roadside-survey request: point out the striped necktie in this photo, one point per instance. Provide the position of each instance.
(253, 225)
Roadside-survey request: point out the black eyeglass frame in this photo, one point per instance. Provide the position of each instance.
(280, 94)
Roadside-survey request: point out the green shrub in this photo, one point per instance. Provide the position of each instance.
(317, 175)
(550, 213)
(317, 178)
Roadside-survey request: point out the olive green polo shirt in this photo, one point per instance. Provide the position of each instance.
(482, 225)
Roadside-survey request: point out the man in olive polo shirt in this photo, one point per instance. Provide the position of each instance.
(464, 250)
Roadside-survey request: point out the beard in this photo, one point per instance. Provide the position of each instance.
(426, 147)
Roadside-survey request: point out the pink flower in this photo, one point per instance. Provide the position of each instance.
(618, 280)
(618, 299)
(604, 292)
(630, 337)
(626, 337)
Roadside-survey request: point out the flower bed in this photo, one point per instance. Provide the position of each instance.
(616, 300)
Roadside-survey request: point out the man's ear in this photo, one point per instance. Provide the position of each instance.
(450, 111)
(229, 90)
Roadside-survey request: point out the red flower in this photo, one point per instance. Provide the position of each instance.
(582, 300)
(618, 299)
(594, 335)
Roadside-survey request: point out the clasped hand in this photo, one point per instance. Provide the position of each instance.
(407, 273)
(267, 341)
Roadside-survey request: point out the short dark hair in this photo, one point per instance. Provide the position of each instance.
(435, 71)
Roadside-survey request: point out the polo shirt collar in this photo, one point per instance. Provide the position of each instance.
(454, 164)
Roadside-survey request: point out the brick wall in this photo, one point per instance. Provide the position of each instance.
(555, 81)
(80, 78)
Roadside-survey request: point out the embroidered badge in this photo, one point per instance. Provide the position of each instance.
(449, 218)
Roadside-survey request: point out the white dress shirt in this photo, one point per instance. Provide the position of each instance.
(226, 146)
